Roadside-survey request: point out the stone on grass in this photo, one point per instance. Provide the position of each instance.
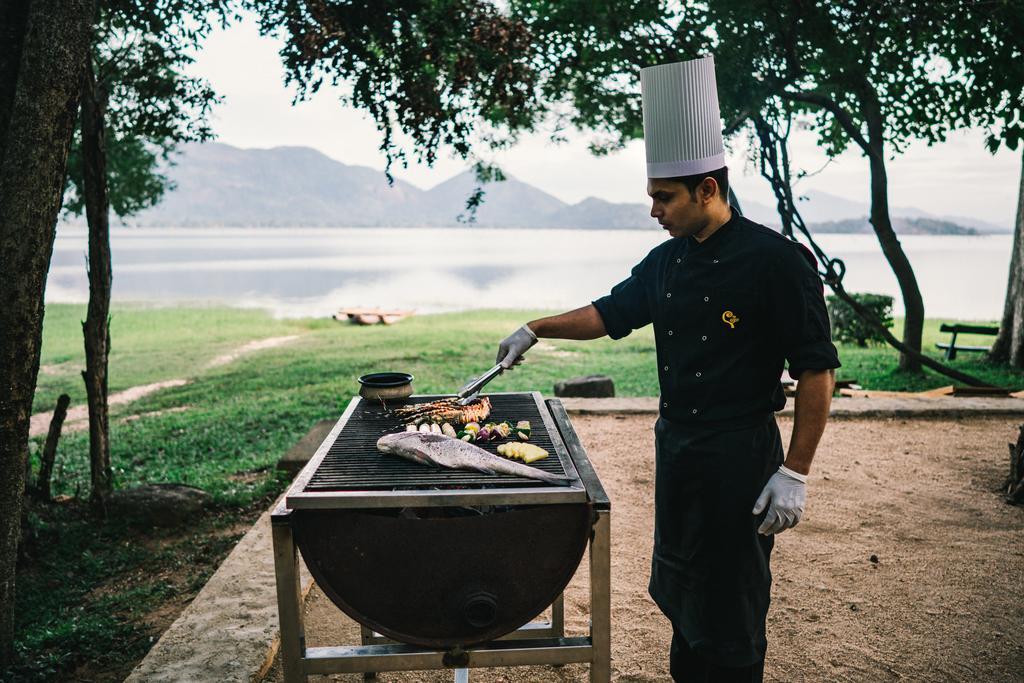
(161, 505)
(591, 386)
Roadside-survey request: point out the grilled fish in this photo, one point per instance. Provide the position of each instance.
(444, 451)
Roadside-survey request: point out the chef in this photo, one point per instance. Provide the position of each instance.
(731, 302)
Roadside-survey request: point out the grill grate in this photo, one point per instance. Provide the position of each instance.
(354, 464)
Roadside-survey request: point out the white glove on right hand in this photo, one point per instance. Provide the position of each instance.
(512, 348)
(784, 495)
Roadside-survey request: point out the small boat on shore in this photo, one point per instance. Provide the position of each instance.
(371, 316)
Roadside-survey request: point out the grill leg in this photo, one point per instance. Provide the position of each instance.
(558, 616)
(366, 638)
(600, 599)
(289, 603)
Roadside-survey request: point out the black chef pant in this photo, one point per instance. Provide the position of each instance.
(690, 666)
(710, 572)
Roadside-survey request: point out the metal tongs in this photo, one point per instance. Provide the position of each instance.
(471, 391)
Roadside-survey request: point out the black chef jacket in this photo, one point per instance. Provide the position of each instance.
(727, 312)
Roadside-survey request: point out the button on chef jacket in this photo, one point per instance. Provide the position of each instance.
(728, 312)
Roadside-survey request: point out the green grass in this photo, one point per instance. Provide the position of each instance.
(875, 367)
(147, 344)
(85, 586)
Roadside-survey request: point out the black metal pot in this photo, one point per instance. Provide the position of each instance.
(386, 385)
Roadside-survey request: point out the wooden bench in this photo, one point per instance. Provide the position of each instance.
(951, 348)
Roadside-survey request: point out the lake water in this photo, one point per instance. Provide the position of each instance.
(314, 271)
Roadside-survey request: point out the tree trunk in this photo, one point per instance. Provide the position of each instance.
(41, 59)
(1009, 345)
(50, 449)
(1014, 485)
(913, 304)
(96, 328)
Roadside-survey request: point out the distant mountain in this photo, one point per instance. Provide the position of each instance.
(759, 213)
(221, 185)
(596, 213)
(218, 184)
(821, 208)
(983, 227)
(510, 203)
(902, 226)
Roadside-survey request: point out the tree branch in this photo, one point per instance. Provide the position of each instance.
(778, 177)
(736, 123)
(829, 104)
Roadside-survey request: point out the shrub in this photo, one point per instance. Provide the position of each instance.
(847, 326)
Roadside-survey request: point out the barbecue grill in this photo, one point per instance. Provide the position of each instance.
(443, 568)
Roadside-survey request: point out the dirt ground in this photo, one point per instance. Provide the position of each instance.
(941, 603)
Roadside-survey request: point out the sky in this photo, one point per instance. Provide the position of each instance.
(957, 177)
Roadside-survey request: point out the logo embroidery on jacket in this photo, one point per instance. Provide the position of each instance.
(730, 319)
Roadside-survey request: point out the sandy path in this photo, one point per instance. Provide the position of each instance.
(942, 603)
(256, 345)
(78, 416)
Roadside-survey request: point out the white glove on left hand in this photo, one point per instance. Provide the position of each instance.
(512, 348)
(784, 495)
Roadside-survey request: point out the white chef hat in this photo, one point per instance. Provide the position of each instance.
(682, 125)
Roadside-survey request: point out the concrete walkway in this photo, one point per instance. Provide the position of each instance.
(230, 630)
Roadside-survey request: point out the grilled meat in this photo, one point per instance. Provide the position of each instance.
(446, 410)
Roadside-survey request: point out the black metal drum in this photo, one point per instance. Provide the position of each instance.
(444, 579)
(434, 557)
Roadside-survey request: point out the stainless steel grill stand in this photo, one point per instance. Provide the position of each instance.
(537, 643)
